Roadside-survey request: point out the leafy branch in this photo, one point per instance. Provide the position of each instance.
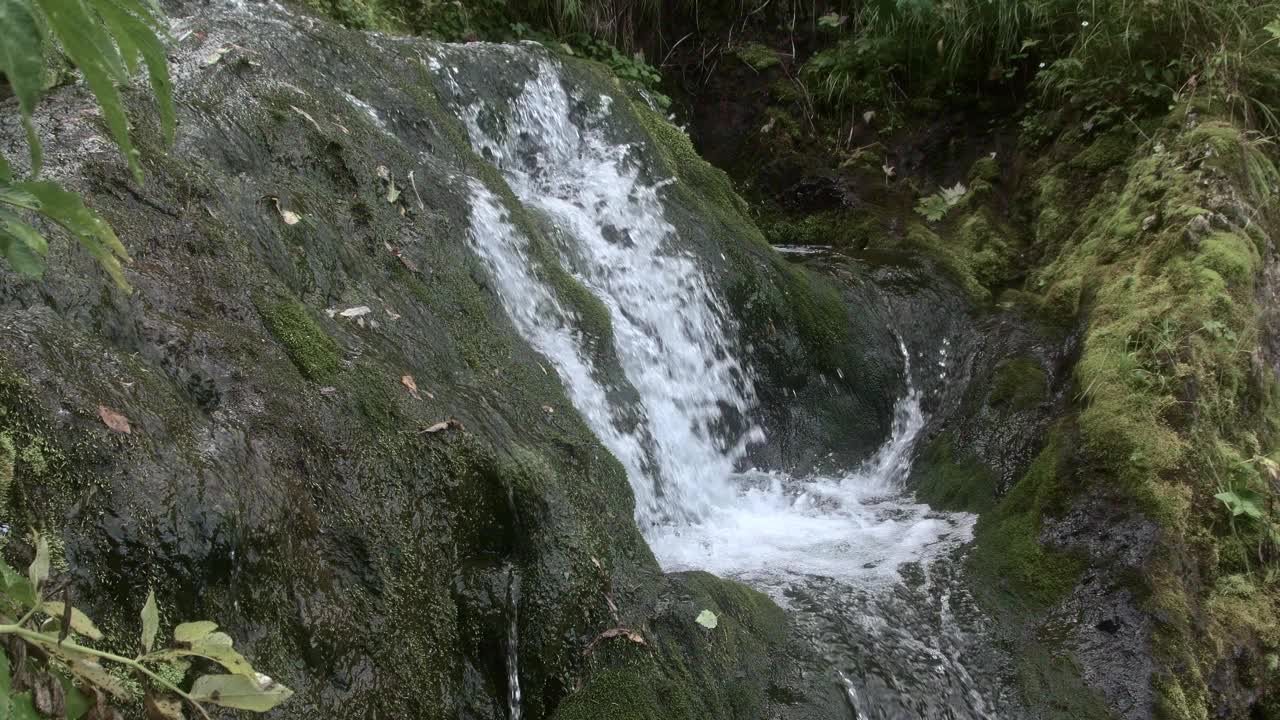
(57, 637)
(109, 41)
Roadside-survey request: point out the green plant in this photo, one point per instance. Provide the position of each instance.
(934, 207)
(54, 628)
(108, 41)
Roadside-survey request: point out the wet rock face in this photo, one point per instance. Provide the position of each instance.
(306, 313)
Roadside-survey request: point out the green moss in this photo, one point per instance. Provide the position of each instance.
(921, 239)
(1015, 569)
(985, 169)
(305, 342)
(685, 670)
(948, 479)
(832, 228)
(1105, 152)
(757, 56)
(1231, 255)
(1019, 383)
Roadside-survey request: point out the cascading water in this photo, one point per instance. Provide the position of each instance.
(833, 548)
(670, 329)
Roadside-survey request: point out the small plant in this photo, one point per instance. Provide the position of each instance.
(72, 671)
(934, 207)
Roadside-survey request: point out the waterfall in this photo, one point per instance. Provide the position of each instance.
(671, 330)
(832, 548)
(673, 340)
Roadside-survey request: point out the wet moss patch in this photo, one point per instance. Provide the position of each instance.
(1014, 567)
(947, 479)
(305, 342)
(1020, 384)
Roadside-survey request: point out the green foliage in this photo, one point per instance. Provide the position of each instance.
(73, 670)
(935, 207)
(108, 40)
(1102, 63)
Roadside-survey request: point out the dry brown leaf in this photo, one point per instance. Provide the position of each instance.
(163, 708)
(304, 114)
(114, 420)
(444, 425)
(288, 216)
(408, 382)
(616, 632)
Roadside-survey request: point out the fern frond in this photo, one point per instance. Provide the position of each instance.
(22, 245)
(137, 31)
(68, 210)
(22, 62)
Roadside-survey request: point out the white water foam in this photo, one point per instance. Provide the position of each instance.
(858, 526)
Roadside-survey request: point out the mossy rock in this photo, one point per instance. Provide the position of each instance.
(757, 56)
(1019, 384)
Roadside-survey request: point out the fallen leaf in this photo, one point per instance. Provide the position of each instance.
(408, 382)
(304, 114)
(393, 192)
(355, 312)
(414, 185)
(548, 409)
(707, 619)
(114, 420)
(213, 58)
(617, 632)
(444, 425)
(383, 172)
(288, 216)
(391, 313)
(595, 561)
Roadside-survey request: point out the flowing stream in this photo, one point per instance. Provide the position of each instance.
(865, 568)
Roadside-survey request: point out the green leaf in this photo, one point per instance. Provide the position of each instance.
(215, 646)
(136, 30)
(76, 702)
(86, 42)
(193, 632)
(22, 62)
(98, 677)
(1273, 29)
(79, 621)
(14, 196)
(150, 622)
(708, 620)
(21, 707)
(258, 694)
(16, 586)
(1242, 502)
(22, 245)
(39, 570)
(68, 210)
